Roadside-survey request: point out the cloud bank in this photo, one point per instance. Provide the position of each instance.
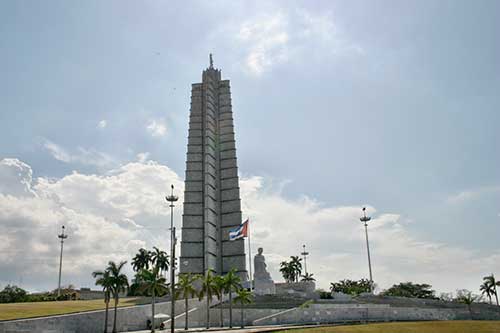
(110, 216)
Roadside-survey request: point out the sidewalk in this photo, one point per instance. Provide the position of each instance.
(248, 329)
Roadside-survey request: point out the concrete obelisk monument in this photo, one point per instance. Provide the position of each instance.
(212, 196)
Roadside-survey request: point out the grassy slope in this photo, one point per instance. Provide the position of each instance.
(412, 327)
(36, 309)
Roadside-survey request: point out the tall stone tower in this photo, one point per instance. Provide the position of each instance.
(212, 196)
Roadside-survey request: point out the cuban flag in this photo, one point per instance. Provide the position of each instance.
(239, 232)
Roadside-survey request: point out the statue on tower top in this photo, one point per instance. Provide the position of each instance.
(211, 61)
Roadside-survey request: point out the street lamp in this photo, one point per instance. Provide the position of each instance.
(62, 237)
(305, 254)
(171, 199)
(365, 220)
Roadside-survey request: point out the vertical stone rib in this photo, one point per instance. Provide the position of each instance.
(192, 221)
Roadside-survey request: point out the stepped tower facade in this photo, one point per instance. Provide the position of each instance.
(212, 204)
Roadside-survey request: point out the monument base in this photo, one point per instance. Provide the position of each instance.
(302, 289)
(264, 287)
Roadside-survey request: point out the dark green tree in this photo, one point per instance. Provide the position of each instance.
(159, 259)
(232, 282)
(487, 290)
(412, 290)
(141, 260)
(243, 296)
(308, 277)
(104, 280)
(13, 294)
(287, 271)
(185, 287)
(492, 283)
(119, 283)
(219, 284)
(351, 287)
(153, 284)
(466, 297)
(208, 289)
(296, 267)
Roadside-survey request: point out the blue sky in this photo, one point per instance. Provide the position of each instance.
(337, 104)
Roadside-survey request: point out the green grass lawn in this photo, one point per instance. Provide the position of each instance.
(462, 326)
(36, 309)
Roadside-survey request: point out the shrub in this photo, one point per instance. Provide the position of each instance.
(13, 294)
(351, 287)
(412, 290)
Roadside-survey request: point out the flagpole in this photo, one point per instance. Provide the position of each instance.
(249, 255)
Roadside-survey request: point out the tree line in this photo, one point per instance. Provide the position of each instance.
(149, 280)
(416, 290)
(15, 294)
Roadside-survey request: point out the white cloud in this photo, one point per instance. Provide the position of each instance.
(81, 156)
(57, 151)
(157, 127)
(143, 157)
(15, 178)
(267, 39)
(102, 124)
(471, 194)
(280, 35)
(108, 217)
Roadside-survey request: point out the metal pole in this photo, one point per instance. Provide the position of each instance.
(62, 236)
(250, 256)
(172, 198)
(365, 220)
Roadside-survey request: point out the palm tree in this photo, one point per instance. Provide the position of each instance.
(232, 282)
(208, 289)
(243, 296)
(186, 288)
(308, 277)
(490, 280)
(119, 282)
(487, 289)
(141, 260)
(296, 267)
(220, 284)
(287, 271)
(159, 258)
(153, 284)
(103, 279)
(466, 297)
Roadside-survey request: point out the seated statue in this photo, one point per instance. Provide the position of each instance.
(263, 283)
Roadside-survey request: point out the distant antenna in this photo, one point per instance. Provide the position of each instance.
(305, 254)
(211, 61)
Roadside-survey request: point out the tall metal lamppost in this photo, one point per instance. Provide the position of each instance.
(171, 199)
(305, 254)
(62, 237)
(365, 220)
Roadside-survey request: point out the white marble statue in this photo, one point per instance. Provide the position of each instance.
(263, 283)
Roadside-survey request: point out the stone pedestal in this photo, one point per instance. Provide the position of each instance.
(264, 287)
(302, 289)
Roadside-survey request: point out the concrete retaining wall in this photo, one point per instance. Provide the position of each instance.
(128, 319)
(198, 318)
(134, 318)
(330, 313)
